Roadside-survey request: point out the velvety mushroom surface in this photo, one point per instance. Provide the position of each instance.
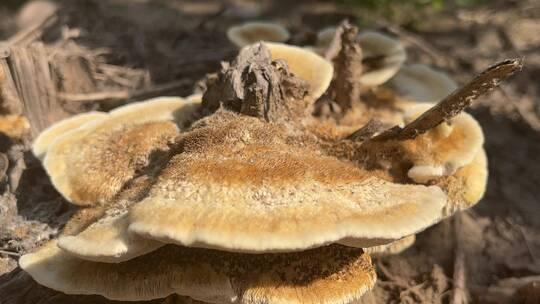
(332, 274)
(250, 193)
(90, 164)
(245, 185)
(46, 138)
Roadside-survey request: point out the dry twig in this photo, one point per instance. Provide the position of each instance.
(372, 127)
(9, 253)
(456, 102)
(459, 293)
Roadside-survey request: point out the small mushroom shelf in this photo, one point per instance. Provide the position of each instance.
(268, 188)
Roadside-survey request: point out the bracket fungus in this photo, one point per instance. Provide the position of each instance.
(445, 148)
(421, 83)
(44, 140)
(90, 164)
(383, 57)
(252, 32)
(243, 195)
(332, 274)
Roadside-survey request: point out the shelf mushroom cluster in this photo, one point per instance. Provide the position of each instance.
(241, 195)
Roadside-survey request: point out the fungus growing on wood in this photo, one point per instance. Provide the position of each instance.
(383, 57)
(243, 172)
(467, 186)
(47, 136)
(256, 84)
(223, 192)
(438, 151)
(443, 149)
(90, 164)
(260, 170)
(421, 83)
(107, 240)
(251, 32)
(332, 274)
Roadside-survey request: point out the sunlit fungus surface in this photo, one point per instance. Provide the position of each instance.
(273, 186)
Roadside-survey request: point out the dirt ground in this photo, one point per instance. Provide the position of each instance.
(138, 45)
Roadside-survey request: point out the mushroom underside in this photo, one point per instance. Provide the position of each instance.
(331, 274)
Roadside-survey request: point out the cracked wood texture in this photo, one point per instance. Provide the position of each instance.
(346, 86)
(255, 85)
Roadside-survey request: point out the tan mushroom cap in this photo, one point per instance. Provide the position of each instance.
(314, 69)
(240, 186)
(467, 186)
(332, 274)
(325, 37)
(46, 138)
(91, 164)
(444, 149)
(375, 45)
(391, 248)
(108, 241)
(252, 32)
(475, 176)
(421, 83)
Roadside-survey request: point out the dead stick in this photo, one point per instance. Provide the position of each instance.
(456, 102)
(9, 253)
(348, 68)
(459, 293)
(372, 127)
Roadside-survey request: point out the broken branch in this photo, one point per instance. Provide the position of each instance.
(372, 127)
(456, 102)
(348, 67)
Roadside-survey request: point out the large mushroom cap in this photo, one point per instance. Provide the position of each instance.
(305, 64)
(475, 176)
(240, 186)
(91, 164)
(107, 240)
(467, 186)
(325, 37)
(421, 83)
(332, 274)
(47, 137)
(444, 149)
(386, 54)
(252, 32)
